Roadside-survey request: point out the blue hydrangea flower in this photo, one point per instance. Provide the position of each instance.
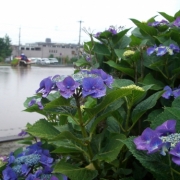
(175, 48)
(22, 133)
(168, 92)
(97, 34)
(168, 127)
(142, 142)
(176, 154)
(177, 22)
(112, 30)
(9, 174)
(94, 87)
(154, 24)
(67, 87)
(47, 85)
(108, 79)
(161, 51)
(36, 101)
(155, 145)
(176, 92)
(151, 50)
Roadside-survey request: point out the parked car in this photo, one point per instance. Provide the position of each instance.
(53, 60)
(33, 60)
(43, 61)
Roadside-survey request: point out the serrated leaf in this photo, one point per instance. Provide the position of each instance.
(152, 162)
(125, 70)
(145, 105)
(81, 62)
(118, 83)
(149, 79)
(112, 148)
(43, 129)
(101, 49)
(75, 173)
(167, 114)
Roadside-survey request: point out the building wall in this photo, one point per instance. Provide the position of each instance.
(44, 50)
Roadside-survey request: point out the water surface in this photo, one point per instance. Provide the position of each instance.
(16, 84)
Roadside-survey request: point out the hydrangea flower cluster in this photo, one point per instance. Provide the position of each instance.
(162, 50)
(111, 29)
(164, 139)
(34, 163)
(89, 82)
(176, 23)
(128, 53)
(158, 23)
(171, 92)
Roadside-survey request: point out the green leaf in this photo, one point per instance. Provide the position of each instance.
(124, 42)
(149, 79)
(60, 106)
(81, 62)
(169, 113)
(166, 16)
(125, 70)
(88, 47)
(75, 173)
(43, 129)
(118, 83)
(119, 52)
(145, 28)
(101, 49)
(111, 149)
(53, 96)
(117, 37)
(176, 102)
(153, 162)
(177, 14)
(66, 135)
(108, 104)
(145, 105)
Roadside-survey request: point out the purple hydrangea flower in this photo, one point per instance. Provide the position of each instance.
(155, 145)
(108, 79)
(168, 92)
(112, 30)
(154, 24)
(142, 142)
(22, 133)
(168, 127)
(9, 174)
(176, 154)
(88, 58)
(161, 51)
(174, 48)
(47, 85)
(67, 87)
(93, 87)
(151, 50)
(35, 101)
(177, 22)
(97, 34)
(164, 22)
(176, 92)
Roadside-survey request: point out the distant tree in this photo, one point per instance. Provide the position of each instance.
(5, 47)
(51, 56)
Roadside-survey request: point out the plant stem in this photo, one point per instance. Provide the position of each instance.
(128, 115)
(172, 175)
(84, 134)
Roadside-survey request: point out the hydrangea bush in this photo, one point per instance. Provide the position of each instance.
(117, 117)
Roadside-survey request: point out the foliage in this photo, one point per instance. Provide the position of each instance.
(5, 47)
(14, 62)
(124, 86)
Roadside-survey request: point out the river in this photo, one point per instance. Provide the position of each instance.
(16, 84)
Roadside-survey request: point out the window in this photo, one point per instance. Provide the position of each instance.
(44, 45)
(27, 48)
(22, 48)
(37, 49)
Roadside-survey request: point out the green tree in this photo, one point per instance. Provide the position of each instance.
(5, 47)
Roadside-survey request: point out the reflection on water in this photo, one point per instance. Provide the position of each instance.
(16, 84)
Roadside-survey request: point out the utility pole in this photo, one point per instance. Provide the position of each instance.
(19, 41)
(79, 43)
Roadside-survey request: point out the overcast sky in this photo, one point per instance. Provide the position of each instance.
(59, 19)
